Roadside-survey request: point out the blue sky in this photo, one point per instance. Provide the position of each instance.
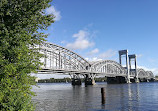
(97, 29)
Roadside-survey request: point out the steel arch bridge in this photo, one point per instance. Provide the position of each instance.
(109, 67)
(58, 59)
(145, 74)
(61, 60)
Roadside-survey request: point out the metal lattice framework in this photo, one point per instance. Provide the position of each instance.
(132, 73)
(61, 60)
(141, 73)
(109, 67)
(150, 74)
(144, 74)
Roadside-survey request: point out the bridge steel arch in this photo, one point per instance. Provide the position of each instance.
(60, 58)
(145, 74)
(142, 73)
(109, 67)
(150, 74)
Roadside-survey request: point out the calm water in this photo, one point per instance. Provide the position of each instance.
(119, 97)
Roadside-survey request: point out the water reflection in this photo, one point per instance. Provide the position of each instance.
(122, 97)
(119, 97)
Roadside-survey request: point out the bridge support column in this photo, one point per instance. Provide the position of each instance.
(137, 80)
(116, 80)
(135, 69)
(151, 79)
(134, 80)
(125, 52)
(89, 79)
(76, 80)
(140, 80)
(144, 80)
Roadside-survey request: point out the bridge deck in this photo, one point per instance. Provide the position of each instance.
(82, 72)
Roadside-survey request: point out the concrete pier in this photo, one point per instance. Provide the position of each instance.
(144, 80)
(76, 82)
(89, 81)
(134, 80)
(116, 80)
(151, 80)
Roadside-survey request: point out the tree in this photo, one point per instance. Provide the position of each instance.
(22, 23)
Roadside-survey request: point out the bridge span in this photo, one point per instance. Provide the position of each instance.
(59, 60)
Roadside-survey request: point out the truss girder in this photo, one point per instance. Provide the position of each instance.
(108, 66)
(61, 58)
(150, 74)
(145, 74)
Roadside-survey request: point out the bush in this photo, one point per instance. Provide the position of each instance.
(21, 24)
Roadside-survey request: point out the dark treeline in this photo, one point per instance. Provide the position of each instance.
(52, 80)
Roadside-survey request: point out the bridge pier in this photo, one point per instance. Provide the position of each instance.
(151, 80)
(134, 80)
(144, 80)
(116, 80)
(76, 80)
(89, 79)
(137, 80)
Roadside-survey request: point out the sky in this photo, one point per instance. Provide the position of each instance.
(98, 29)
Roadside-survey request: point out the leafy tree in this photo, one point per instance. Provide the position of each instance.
(22, 23)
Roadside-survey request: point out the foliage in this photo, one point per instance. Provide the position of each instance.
(52, 80)
(22, 23)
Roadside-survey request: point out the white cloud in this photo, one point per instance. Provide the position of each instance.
(93, 59)
(139, 55)
(81, 41)
(108, 54)
(101, 56)
(96, 59)
(94, 51)
(56, 13)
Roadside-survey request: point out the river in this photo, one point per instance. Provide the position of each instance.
(119, 97)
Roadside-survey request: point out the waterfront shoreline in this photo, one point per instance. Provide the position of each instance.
(67, 80)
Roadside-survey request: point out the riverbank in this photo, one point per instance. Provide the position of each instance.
(67, 80)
